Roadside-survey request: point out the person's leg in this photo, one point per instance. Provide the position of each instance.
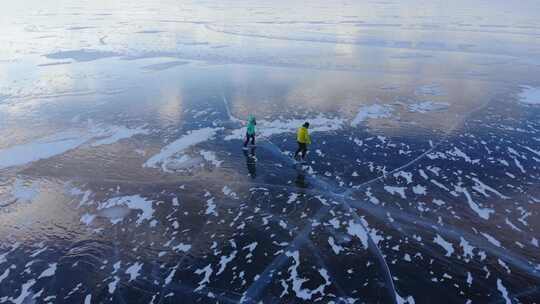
(304, 151)
(253, 139)
(247, 140)
(298, 150)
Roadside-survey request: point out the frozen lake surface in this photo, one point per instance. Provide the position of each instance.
(122, 178)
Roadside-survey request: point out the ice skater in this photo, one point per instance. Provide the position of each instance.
(302, 136)
(250, 133)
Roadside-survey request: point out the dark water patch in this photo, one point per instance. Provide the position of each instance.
(149, 32)
(82, 55)
(54, 63)
(164, 65)
(78, 28)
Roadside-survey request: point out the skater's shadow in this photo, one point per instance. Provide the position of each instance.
(251, 162)
(300, 180)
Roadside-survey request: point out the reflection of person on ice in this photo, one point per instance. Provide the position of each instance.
(302, 136)
(251, 162)
(250, 133)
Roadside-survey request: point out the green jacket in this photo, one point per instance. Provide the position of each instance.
(251, 125)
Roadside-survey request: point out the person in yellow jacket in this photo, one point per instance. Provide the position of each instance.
(302, 136)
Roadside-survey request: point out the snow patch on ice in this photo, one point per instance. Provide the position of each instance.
(503, 291)
(467, 248)
(292, 198)
(85, 199)
(429, 89)
(4, 275)
(491, 239)
(114, 134)
(135, 202)
(428, 106)
(250, 248)
(182, 247)
(530, 95)
(336, 248)
(169, 278)
(482, 212)
(112, 285)
(444, 244)
(393, 190)
(179, 146)
(24, 191)
(419, 190)
(25, 292)
(406, 175)
(224, 260)
(229, 192)
(211, 157)
(483, 188)
(133, 271)
(49, 272)
(297, 280)
(87, 218)
(371, 112)
(207, 271)
(408, 300)
(40, 149)
(458, 153)
(211, 207)
(358, 230)
(62, 142)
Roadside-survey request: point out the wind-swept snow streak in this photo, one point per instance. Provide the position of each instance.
(178, 146)
(62, 142)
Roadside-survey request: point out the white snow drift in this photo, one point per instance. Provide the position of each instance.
(174, 152)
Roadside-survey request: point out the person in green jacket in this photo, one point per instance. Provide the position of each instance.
(303, 138)
(250, 133)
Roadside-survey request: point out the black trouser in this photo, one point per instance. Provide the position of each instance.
(248, 136)
(302, 148)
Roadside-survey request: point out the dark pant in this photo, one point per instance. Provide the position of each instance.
(249, 136)
(302, 148)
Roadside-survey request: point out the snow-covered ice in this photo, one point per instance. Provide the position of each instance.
(427, 106)
(267, 128)
(49, 272)
(530, 95)
(40, 149)
(444, 244)
(123, 179)
(135, 202)
(371, 112)
(179, 146)
(62, 142)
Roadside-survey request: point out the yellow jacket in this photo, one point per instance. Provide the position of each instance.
(303, 136)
